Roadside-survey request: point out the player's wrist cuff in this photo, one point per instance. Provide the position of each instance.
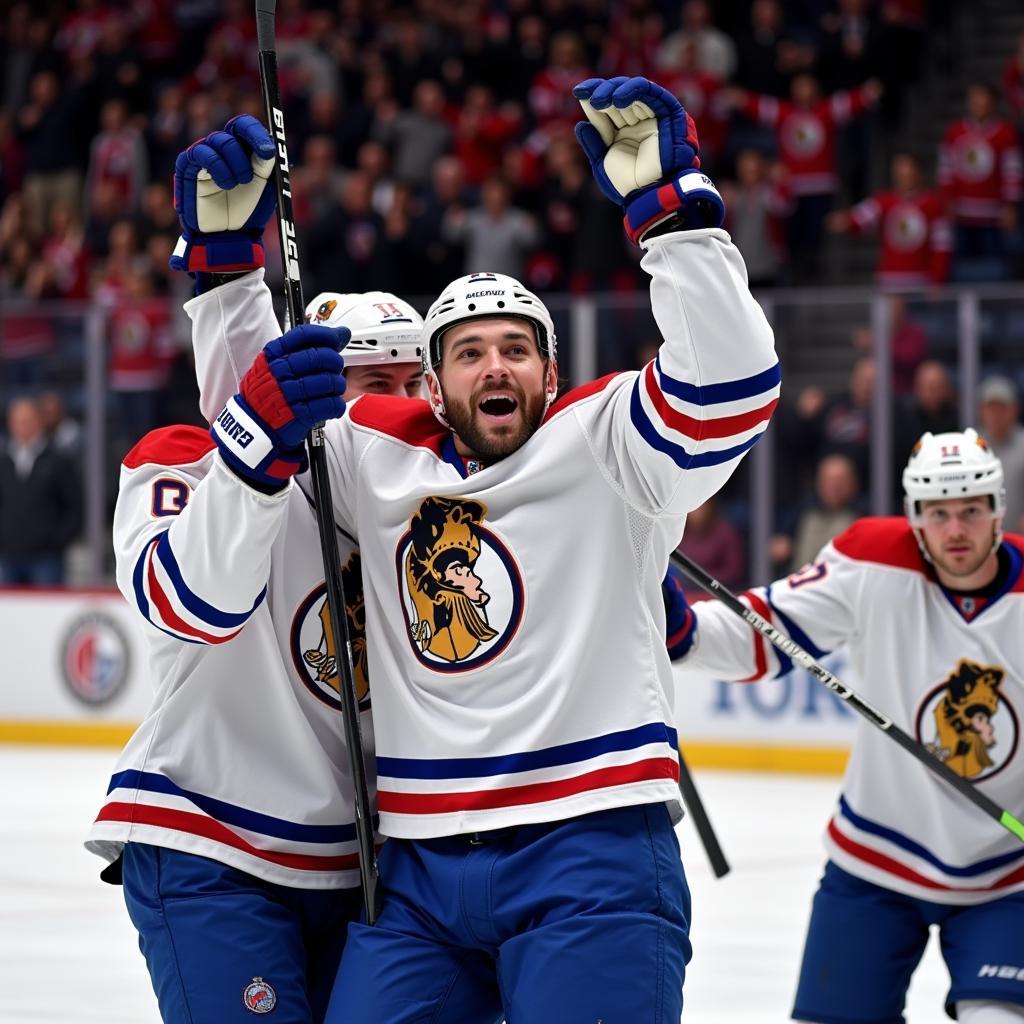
(250, 450)
(227, 252)
(691, 199)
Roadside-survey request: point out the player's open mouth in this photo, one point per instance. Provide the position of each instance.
(498, 408)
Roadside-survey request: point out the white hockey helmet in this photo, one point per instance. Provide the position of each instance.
(955, 465)
(385, 328)
(471, 298)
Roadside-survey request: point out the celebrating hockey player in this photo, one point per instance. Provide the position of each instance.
(527, 765)
(230, 812)
(931, 609)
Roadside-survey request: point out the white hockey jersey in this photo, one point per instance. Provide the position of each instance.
(241, 757)
(515, 622)
(946, 669)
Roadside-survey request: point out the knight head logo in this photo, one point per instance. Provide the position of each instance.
(324, 311)
(314, 652)
(461, 588)
(973, 728)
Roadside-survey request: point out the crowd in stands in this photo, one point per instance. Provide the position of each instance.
(429, 139)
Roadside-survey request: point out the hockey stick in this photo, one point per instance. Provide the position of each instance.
(861, 706)
(701, 821)
(265, 35)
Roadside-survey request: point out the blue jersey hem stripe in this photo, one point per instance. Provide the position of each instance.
(230, 814)
(195, 604)
(507, 764)
(969, 871)
(726, 391)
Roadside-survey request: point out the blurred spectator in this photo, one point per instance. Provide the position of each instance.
(63, 430)
(555, 110)
(65, 256)
(141, 356)
(848, 45)
(483, 131)
(769, 55)
(631, 42)
(165, 132)
(704, 99)
(805, 130)
(908, 344)
(562, 200)
(999, 412)
(980, 174)
(415, 137)
(820, 424)
(40, 501)
(498, 237)
(836, 488)
(12, 164)
(26, 49)
(914, 234)
(1013, 83)
(118, 157)
(931, 406)
(345, 248)
(716, 52)
(409, 58)
(756, 207)
(373, 160)
(440, 259)
(317, 180)
(715, 544)
(45, 126)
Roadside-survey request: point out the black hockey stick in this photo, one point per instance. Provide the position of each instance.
(861, 706)
(701, 821)
(265, 35)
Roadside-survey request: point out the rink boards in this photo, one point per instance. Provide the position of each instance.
(74, 672)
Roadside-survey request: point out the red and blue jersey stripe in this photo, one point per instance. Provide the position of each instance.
(166, 600)
(702, 425)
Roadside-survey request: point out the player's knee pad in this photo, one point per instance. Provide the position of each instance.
(981, 1011)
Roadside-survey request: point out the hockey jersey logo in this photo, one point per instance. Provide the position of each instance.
(975, 729)
(461, 589)
(313, 649)
(324, 311)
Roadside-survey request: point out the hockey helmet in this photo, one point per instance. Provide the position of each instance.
(958, 464)
(474, 297)
(385, 328)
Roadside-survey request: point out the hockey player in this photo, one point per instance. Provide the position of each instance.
(230, 811)
(527, 766)
(931, 609)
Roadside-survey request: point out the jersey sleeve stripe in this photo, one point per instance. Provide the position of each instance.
(726, 391)
(171, 618)
(504, 764)
(142, 598)
(676, 452)
(698, 428)
(191, 601)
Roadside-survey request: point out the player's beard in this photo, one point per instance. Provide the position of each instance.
(490, 444)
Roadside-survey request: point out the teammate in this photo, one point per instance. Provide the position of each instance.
(527, 765)
(931, 608)
(230, 812)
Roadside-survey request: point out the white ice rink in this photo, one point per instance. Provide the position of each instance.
(68, 952)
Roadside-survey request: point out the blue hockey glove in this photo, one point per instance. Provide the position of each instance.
(293, 384)
(224, 197)
(643, 150)
(680, 621)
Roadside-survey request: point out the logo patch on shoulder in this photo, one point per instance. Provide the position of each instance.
(460, 587)
(259, 997)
